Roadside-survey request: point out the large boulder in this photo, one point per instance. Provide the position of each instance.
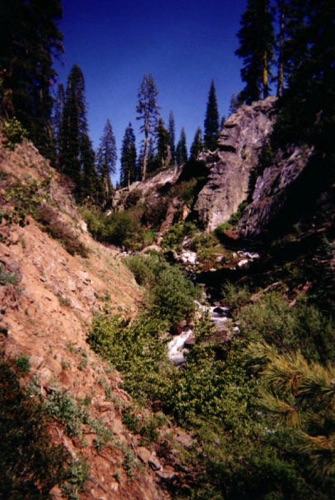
(240, 142)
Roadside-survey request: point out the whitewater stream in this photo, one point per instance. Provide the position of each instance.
(176, 346)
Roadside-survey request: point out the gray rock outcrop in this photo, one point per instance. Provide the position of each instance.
(272, 191)
(230, 165)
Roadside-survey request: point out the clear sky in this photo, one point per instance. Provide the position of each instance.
(184, 44)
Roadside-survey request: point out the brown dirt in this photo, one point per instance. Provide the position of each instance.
(48, 316)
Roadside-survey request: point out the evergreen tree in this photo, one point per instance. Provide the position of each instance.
(58, 118)
(234, 104)
(307, 108)
(128, 158)
(181, 149)
(75, 145)
(106, 160)
(211, 124)
(91, 187)
(257, 42)
(148, 112)
(172, 138)
(162, 144)
(197, 145)
(29, 39)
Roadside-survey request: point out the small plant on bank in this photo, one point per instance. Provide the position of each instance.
(8, 277)
(175, 235)
(22, 363)
(13, 133)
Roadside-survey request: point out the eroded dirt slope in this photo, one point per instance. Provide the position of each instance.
(47, 304)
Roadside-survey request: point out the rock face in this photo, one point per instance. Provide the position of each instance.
(229, 167)
(272, 191)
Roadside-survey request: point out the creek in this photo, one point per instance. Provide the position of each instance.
(218, 314)
(177, 347)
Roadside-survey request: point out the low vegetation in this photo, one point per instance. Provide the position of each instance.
(31, 464)
(260, 430)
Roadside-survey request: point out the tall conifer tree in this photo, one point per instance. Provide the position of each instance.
(257, 42)
(106, 160)
(172, 138)
(148, 111)
(197, 145)
(29, 40)
(162, 144)
(128, 158)
(58, 119)
(211, 124)
(75, 146)
(308, 104)
(181, 149)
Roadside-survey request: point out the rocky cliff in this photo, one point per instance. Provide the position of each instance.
(230, 166)
(274, 189)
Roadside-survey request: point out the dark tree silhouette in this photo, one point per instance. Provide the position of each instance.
(29, 40)
(106, 160)
(76, 157)
(128, 158)
(181, 149)
(211, 124)
(172, 138)
(148, 111)
(257, 42)
(197, 145)
(162, 144)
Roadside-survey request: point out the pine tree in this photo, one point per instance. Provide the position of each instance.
(148, 111)
(75, 145)
(181, 149)
(106, 160)
(128, 172)
(172, 138)
(91, 187)
(162, 144)
(211, 124)
(307, 106)
(257, 42)
(58, 113)
(29, 40)
(197, 145)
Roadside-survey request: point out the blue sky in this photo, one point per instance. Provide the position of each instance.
(184, 44)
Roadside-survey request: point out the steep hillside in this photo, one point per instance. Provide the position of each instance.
(49, 291)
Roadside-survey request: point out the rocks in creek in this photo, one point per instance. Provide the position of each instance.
(185, 340)
(176, 347)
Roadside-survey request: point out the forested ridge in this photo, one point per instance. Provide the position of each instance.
(256, 397)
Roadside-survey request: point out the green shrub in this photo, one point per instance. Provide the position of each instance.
(142, 268)
(60, 230)
(172, 296)
(234, 296)
(8, 277)
(175, 235)
(96, 221)
(22, 363)
(271, 319)
(136, 350)
(13, 133)
(61, 407)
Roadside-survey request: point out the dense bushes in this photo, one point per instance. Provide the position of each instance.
(170, 294)
(122, 229)
(243, 446)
